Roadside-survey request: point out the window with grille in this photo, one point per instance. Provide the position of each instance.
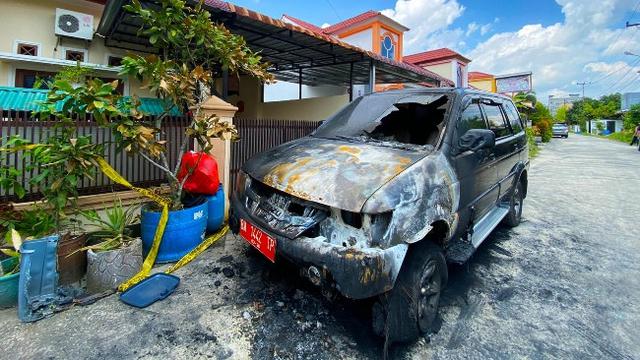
(74, 55)
(28, 49)
(114, 61)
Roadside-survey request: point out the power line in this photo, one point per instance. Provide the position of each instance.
(334, 9)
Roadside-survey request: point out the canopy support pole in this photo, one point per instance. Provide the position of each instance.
(372, 77)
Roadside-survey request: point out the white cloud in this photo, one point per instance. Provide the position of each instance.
(581, 48)
(471, 28)
(429, 21)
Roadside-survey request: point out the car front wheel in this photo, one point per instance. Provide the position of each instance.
(411, 307)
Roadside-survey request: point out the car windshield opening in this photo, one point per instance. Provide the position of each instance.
(412, 120)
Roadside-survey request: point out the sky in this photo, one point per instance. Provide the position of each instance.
(563, 42)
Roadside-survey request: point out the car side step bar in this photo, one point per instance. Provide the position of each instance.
(485, 226)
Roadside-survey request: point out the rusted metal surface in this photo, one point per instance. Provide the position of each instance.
(320, 170)
(258, 135)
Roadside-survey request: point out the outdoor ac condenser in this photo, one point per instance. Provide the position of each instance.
(74, 24)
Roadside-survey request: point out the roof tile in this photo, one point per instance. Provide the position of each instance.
(433, 55)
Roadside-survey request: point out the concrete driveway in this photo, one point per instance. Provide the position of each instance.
(565, 284)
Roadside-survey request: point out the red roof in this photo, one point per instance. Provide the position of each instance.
(351, 21)
(303, 24)
(434, 55)
(228, 7)
(477, 75)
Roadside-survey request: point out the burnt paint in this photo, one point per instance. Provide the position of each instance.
(336, 173)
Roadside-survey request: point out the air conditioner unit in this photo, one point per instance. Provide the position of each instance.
(74, 24)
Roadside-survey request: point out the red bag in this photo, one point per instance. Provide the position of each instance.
(204, 178)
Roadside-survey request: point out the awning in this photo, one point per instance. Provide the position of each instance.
(25, 99)
(296, 54)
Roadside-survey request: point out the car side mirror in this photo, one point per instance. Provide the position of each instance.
(477, 139)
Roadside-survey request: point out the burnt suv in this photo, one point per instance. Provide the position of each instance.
(384, 193)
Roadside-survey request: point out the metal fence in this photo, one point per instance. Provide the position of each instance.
(132, 167)
(258, 135)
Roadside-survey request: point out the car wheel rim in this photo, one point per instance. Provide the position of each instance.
(517, 201)
(428, 295)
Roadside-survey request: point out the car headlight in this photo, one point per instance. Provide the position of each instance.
(243, 182)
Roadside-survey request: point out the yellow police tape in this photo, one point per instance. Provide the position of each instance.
(157, 237)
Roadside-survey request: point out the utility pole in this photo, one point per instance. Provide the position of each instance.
(583, 84)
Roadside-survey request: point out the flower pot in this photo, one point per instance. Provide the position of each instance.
(184, 231)
(71, 268)
(108, 269)
(9, 285)
(216, 210)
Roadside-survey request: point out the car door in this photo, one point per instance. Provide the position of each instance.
(509, 144)
(476, 169)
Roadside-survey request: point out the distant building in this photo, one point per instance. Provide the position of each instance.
(629, 99)
(444, 62)
(556, 102)
(482, 81)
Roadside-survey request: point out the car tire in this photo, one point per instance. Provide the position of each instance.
(515, 206)
(411, 307)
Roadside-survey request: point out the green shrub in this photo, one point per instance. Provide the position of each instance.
(623, 136)
(544, 127)
(533, 147)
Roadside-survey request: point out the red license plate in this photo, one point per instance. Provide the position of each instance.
(259, 239)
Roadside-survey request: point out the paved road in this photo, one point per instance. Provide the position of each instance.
(564, 284)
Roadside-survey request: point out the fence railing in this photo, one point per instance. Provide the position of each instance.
(258, 135)
(132, 167)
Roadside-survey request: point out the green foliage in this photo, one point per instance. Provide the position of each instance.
(113, 230)
(631, 118)
(541, 120)
(624, 136)
(607, 107)
(561, 114)
(19, 226)
(533, 146)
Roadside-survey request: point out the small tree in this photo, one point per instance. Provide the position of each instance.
(63, 159)
(632, 117)
(193, 53)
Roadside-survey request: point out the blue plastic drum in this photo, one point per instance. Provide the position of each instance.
(184, 231)
(216, 210)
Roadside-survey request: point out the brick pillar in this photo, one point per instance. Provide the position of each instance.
(221, 148)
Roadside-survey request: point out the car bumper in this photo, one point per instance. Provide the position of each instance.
(355, 273)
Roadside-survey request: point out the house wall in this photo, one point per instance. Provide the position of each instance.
(305, 109)
(361, 39)
(282, 90)
(33, 21)
(484, 84)
(443, 69)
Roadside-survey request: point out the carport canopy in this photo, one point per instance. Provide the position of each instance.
(296, 54)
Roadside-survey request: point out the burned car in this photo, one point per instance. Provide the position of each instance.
(383, 194)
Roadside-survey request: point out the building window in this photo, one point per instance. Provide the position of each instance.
(388, 47)
(74, 55)
(27, 78)
(27, 49)
(114, 61)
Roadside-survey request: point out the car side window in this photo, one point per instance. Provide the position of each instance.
(471, 118)
(514, 117)
(496, 120)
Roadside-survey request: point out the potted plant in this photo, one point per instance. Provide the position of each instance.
(114, 250)
(193, 53)
(16, 227)
(62, 160)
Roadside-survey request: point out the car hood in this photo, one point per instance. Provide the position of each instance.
(336, 173)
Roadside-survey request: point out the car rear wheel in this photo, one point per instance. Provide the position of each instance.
(515, 206)
(411, 307)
